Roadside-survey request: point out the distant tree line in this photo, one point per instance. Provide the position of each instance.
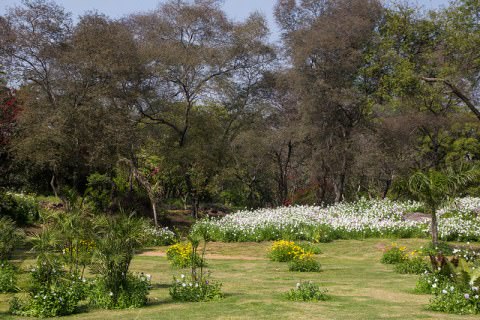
(182, 106)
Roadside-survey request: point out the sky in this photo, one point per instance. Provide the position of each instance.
(236, 9)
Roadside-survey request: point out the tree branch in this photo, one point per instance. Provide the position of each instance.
(456, 91)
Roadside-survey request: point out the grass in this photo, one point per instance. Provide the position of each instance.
(360, 286)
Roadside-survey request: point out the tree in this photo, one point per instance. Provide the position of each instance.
(459, 64)
(193, 53)
(9, 112)
(74, 87)
(435, 188)
(325, 42)
(410, 46)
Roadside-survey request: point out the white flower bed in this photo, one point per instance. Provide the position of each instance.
(366, 218)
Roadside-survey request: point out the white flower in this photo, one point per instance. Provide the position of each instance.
(467, 296)
(184, 284)
(111, 293)
(452, 288)
(434, 285)
(298, 284)
(444, 291)
(475, 288)
(182, 276)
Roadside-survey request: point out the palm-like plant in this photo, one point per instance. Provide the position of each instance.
(118, 238)
(10, 237)
(436, 188)
(73, 230)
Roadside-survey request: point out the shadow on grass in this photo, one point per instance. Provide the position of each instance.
(161, 286)
(157, 302)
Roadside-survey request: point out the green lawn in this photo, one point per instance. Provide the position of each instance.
(359, 285)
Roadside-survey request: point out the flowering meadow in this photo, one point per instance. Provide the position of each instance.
(362, 219)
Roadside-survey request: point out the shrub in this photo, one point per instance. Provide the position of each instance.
(98, 192)
(394, 254)
(117, 240)
(430, 282)
(459, 292)
(73, 237)
(21, 208)
(181, 256)
(46, 273)
(188, 289)
(8, 277)
(415, 265)
(10, 237)
(132, 294)
(59, 298)
(442, 248)
(456, 299)
(304, 263)
(307, 291)
(159, 236)
(284, 251)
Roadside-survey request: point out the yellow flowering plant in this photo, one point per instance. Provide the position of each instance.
(394, 254)
(181, 255)
(304, 262)
(284, 251)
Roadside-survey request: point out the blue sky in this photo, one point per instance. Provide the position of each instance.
(236, 9)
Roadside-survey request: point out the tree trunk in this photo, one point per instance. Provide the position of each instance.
(154, 209)
(146, 185)
(434, 228)
(52, 184)
(388, 184)
(339, 188)
(195, 205)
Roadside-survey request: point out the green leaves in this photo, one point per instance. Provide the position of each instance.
(435, 188)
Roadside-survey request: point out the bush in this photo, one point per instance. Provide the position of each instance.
(8, 277)
(394, 255)
(10, 237)
(284, 251)
(188, 289)
(181, 256)
(159, 236)
(132, 294)
(304, 263)
(415, 265)
(307, 291)
(21, 208)
(429, 282)
(117, 240)
(58, 299)
(442, 248)
(98, 192)
(46, 273)
(456, 299)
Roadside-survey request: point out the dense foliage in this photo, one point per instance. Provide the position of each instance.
(195, 120)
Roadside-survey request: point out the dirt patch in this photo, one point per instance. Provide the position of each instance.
(211, 256)
(417, 216)
(380, 246)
